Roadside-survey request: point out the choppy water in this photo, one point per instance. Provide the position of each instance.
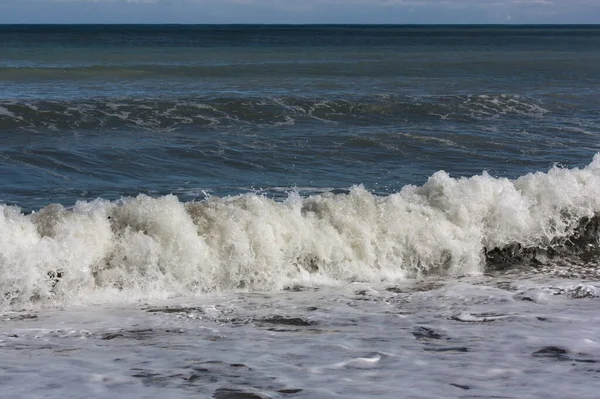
(407, 211)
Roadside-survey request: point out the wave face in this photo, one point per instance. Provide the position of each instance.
(160, 114)
(144, 247)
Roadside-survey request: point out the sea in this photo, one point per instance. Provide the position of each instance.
(299, 211)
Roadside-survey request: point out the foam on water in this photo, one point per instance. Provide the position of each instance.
(524, 338)
(166, 114)
(147, 247)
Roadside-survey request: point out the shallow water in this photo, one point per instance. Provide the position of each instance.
(473, 337)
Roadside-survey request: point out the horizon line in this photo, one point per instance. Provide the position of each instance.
(295, 24)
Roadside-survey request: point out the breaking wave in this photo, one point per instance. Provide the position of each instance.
(144, 247)
(161, 114)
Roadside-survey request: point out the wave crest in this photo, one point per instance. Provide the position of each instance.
(173, 114)
(158, 247)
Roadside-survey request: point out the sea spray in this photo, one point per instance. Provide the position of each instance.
(144, 247)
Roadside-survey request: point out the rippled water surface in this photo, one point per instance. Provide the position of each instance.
(105, 111)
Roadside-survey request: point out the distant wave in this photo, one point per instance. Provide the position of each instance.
(148, 114)
(145, 247)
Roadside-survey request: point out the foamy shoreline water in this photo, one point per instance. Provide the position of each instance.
(485, 337)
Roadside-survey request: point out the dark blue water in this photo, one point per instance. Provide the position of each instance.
(111, 111)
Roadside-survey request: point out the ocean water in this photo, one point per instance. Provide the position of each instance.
(299, 211)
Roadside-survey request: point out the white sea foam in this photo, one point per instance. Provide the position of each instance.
(4, 111)
(417, 339)
(486, 106)
(158, 247)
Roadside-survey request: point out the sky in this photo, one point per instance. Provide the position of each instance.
(301, 11)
